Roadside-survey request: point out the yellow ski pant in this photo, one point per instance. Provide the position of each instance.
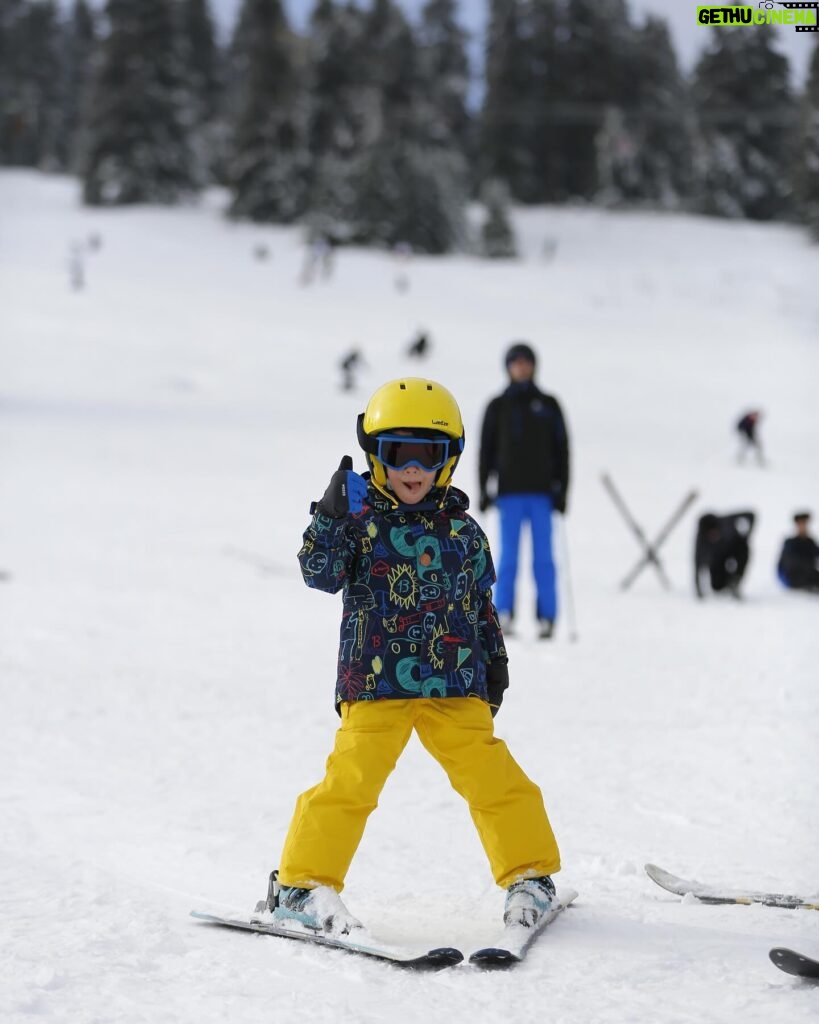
(505, 805)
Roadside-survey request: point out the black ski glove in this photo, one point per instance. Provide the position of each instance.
(485, 502)
(497, 679)
(345, 493)
(558, 499)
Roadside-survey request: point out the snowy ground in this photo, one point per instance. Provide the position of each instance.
(165, 695)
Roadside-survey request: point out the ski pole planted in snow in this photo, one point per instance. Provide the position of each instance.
(566, 576)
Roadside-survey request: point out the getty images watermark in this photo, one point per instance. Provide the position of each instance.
(803, 16)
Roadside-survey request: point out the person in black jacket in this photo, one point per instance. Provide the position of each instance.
(798, 566)
(722, 550)
(524, 471)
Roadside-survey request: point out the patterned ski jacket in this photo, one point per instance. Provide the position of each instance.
(418, 618)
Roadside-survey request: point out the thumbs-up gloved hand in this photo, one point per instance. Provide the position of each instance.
(345, 493)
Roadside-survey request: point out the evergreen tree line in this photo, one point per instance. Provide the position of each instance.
(361, 125)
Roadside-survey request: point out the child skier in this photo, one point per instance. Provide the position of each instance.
(421, 648)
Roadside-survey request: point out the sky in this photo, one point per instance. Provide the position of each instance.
(689, 37)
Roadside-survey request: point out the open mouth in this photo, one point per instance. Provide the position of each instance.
(412, 487)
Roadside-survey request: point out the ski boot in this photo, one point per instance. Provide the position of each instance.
(528, 900)
(545, 629)
(319, 909)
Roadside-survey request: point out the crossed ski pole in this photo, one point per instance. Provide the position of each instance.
(650, 549)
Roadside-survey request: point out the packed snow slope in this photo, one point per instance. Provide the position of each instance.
(166, 677)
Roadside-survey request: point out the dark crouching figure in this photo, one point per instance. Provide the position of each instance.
(722, 550)
(798, 566)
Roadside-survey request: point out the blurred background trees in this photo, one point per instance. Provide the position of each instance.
(373, 128)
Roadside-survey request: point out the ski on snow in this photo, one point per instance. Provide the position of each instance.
(718, 894)
(797, 964)
(367, 946)
(516, 940)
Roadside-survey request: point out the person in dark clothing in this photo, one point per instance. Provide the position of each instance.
(419, 346)
(349, 365)
(798, 566)
(749, 439)
(524, 471)
(722, 551)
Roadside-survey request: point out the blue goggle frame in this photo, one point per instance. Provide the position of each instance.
(397, 451)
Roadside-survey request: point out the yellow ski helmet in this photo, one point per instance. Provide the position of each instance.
(414, 404)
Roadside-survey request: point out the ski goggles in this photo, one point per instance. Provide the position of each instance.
(397, 451)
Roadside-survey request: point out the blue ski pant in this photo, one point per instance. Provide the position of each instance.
(514, 511)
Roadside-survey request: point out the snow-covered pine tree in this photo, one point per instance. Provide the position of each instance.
(808, 165)
(205, 86)
(337, 115)
(137, 130)
(747, 120)
(596, 74)
(204, 58)
(9, 13)
(505, 135)
(31, 43)
(645, 149)
(12, 61)
(444, 71)
(411, 187)
(80, 40)
(544, 32)
(268, 161)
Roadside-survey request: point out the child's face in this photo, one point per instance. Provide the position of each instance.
(411, 484)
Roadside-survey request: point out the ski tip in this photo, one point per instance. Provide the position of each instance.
(664, 878)
(778, 952)
(796, 964)
(445, 956)
(493, 959)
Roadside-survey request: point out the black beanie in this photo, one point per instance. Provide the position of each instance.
(520, 350)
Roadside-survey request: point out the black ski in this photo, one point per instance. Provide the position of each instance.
(718, 894)
(516, 940)
(797, 964)
(364, 945)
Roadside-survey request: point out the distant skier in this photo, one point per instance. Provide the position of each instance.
(525, 449)
(420, 650)
(419, 346)
(76, 267)
(319, 259)
(721, 551)
(798, 566)
(747, 428)
(349, 365)
(402, 253)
